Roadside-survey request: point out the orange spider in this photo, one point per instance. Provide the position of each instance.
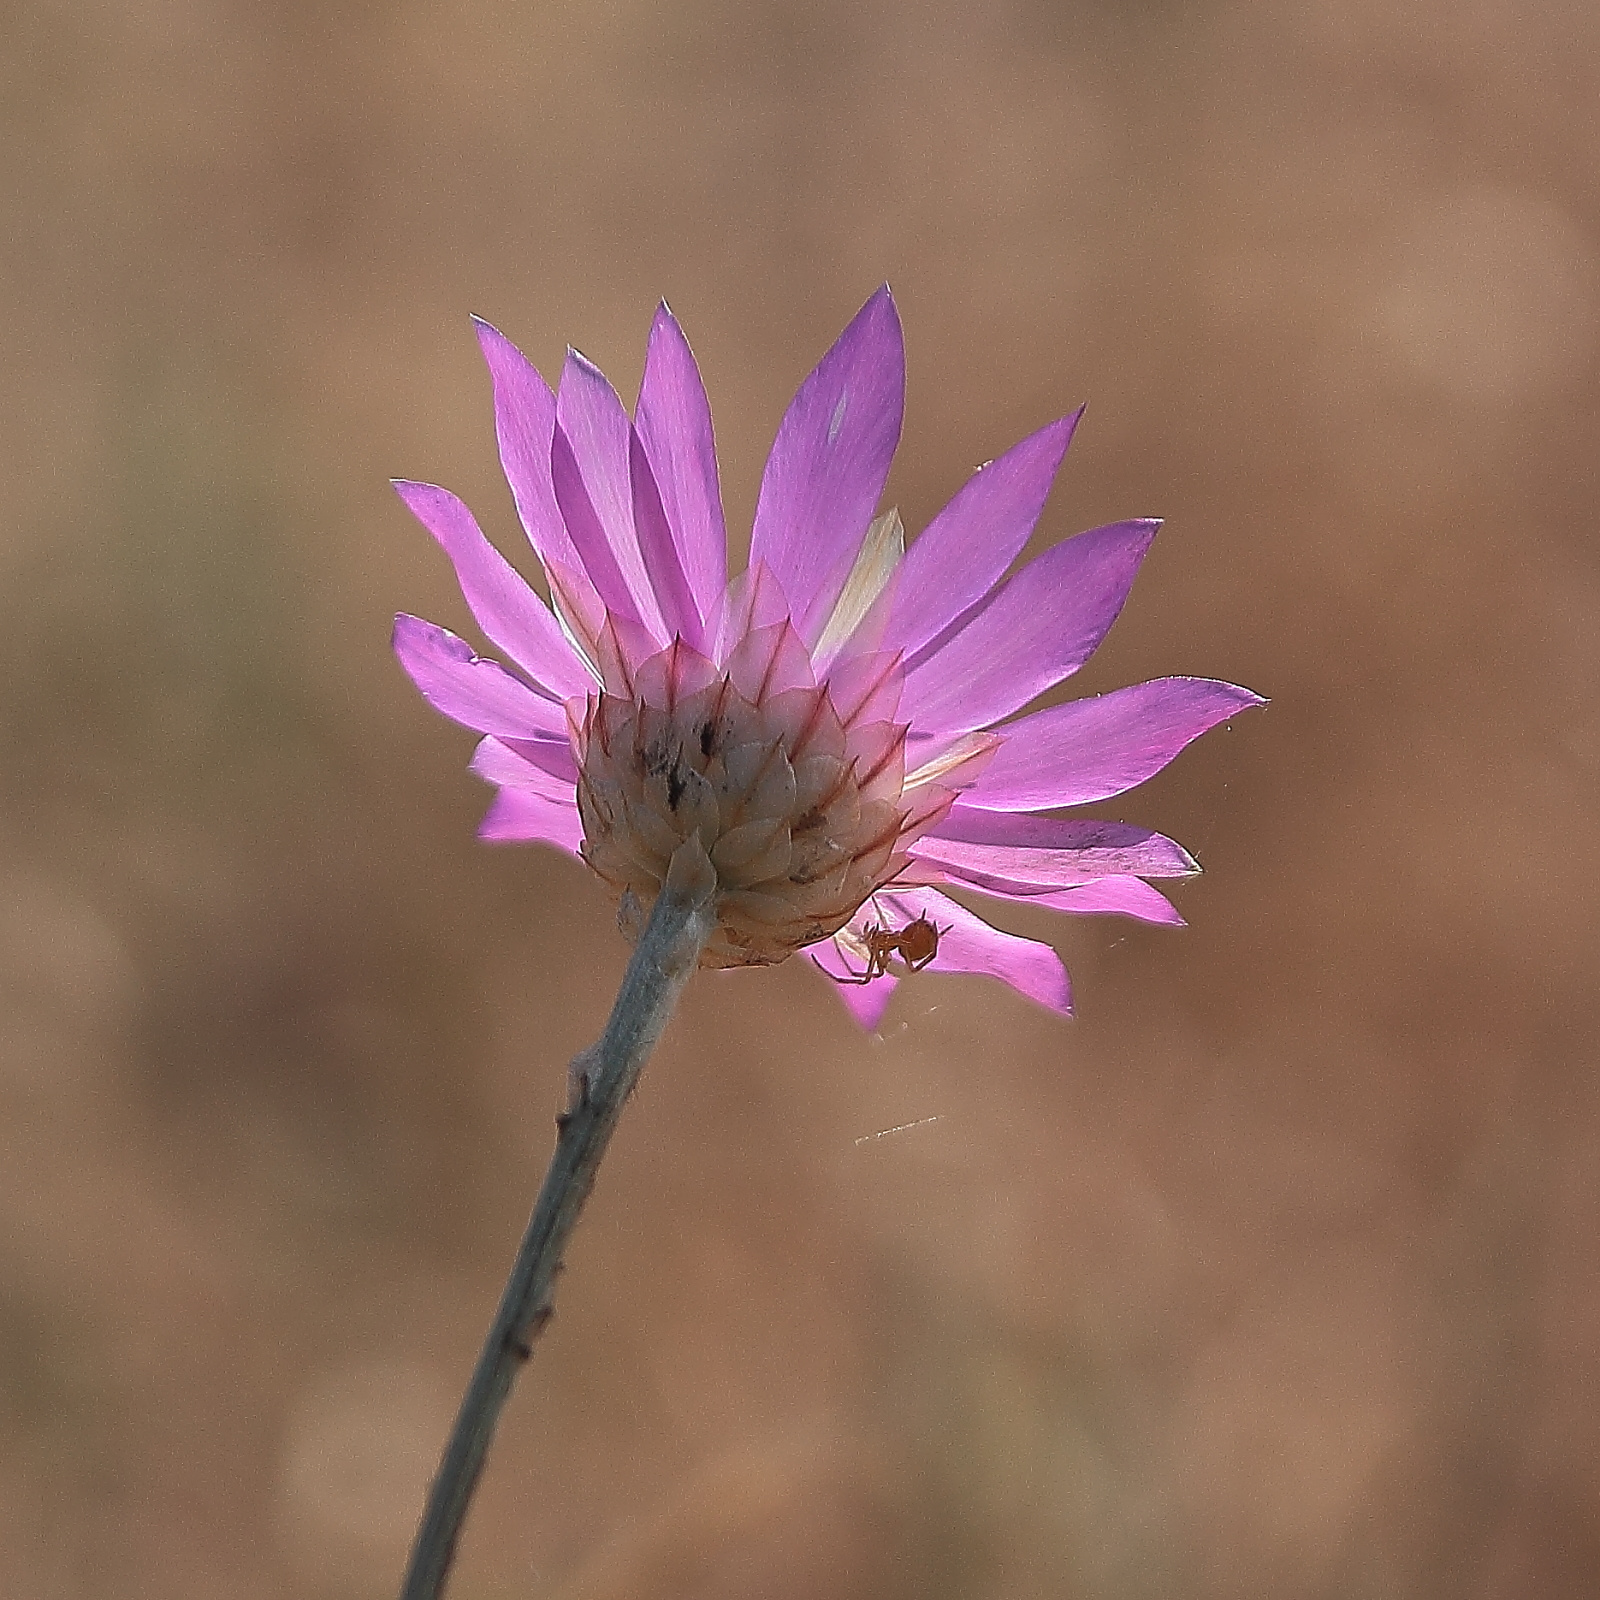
(916, 944)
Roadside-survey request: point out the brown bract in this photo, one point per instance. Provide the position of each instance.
(801, 812)
(799, 828)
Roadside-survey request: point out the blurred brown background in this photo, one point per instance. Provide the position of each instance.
(1274, 1274)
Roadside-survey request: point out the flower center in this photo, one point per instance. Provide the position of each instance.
(799, 809)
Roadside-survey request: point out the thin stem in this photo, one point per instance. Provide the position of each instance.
(601, 1078)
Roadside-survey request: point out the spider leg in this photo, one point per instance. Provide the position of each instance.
(855, 977)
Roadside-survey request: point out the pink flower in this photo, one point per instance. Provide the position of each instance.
(832, 722)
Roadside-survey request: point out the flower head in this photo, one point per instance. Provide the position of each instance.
(832, 723)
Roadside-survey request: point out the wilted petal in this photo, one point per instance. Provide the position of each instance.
(1089, 750)
(965, 551)
(881, 553)
(968, 944)
(829, 463)
(524, 422)
(1040, 628)
(511, 615)
(517, 817)
(867, 1002)
(468, 688)
(674, 422)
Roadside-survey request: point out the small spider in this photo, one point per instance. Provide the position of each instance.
(916, 944)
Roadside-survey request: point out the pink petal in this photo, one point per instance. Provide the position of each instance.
(674, 422)
(680, 611)
(524, 422)
(866, 688)
(555, 756)
(829, 463)
(469, 689)
(1088, 750)
(917, 874)
(926, 808)
(951, 763)
(527, 764)
(1040, 628)
(877, 753)
(1122, 897)
(968, 944)
(752, 600)
(597, 559)
(1113, 847)
(867, 1002)
(620, 649)
(769, 661)
(590, 419)
(960, 556)
(509, 612)
(1023, 871)
(517, 817)
(580, 608)
(672, 675)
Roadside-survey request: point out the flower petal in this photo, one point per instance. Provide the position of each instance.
(752, 600)
(1040, 628)
(674, 421)
(594, 427)
(621, 647)
(1122, 897)
(862, 595)
(769, 661)
(866, 688)
(1119, 847)
(674, 675)
(531, 764)
(965, 551)
(511, 615)
(470, 689)
(829, 463)
(597, 560)
(867, 1002)
(517, 817)
(1089, 750)
(957, 766)
(524, 422)
(1107, 849)
(680, 611)
(968, 944)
